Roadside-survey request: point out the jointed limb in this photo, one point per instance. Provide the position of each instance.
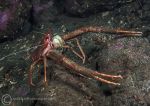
(107, 75)
(105, 81)
(76, 53)
(45, 64)
(31, 71)
(81, 50)
(82, 30)
(61, 59)
(82, 55)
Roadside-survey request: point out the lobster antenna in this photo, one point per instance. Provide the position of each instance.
(39, 32)
(14, 53)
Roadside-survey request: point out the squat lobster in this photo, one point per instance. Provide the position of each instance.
(48, 51)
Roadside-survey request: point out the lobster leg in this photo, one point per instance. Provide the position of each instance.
(31, 71)
(81, 50)
(76, 53)
(45, 64)
(82, 55)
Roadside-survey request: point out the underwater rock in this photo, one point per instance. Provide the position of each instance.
(83, 8)
(13, 17)
(126, 56)
(42, 12)
(6, 14)
(129, 57)
(4, 17)
(68, 90)
(19, 17)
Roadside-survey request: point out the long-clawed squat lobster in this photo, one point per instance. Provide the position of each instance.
(48, 51)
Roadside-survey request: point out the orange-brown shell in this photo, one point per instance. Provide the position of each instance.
(37, 53)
